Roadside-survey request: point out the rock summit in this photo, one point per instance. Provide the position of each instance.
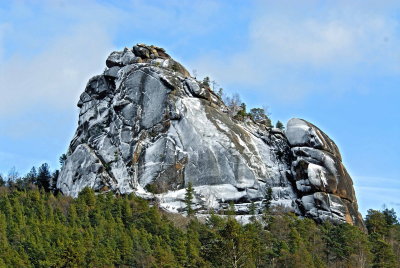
(147, 126)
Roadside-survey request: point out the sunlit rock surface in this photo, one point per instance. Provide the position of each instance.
(146, 126)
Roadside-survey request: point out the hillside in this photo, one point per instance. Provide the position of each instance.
(38, 229)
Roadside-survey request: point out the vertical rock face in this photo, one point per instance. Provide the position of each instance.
(146, 126)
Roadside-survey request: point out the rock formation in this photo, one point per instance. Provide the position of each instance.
(146, 126)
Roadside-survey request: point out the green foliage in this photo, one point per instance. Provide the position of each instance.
(280, 125)
(241, 114)
(206, 82)
(252, 211)
(259, 115)
(152, 188)
(44, 177)
(62, 159)
(384, 229)
(345, 244)
(376, 223)
(38, 229)
(390, 216)
(2, 181)
(189, 200)
(268, 199)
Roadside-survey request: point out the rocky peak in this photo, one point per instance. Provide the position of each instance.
(146, 126)
(142, 53)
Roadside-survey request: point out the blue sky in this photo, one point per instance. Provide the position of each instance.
(334, 63)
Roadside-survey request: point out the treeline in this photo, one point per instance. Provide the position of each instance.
(40, 229)
(41, 177)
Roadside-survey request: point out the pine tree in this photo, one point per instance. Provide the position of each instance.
(2, 181)
(252, 211)
(380, 225)
(235, 247)
(62, 160)
(206, 82)
(383, 254)
(105, 230)
(31, 177)
(193, 245)
(44, 177)
(189, 200)
(390, 216)
(280, 125)
(267, 200)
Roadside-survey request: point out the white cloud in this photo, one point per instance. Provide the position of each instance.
(70, 40)
(51, 69)
(56, 76)
(339, 39)
(290, 43)
(309, 42)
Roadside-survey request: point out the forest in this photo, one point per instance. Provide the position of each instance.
(40, 228)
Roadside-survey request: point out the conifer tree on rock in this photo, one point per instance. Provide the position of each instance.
(189, 200)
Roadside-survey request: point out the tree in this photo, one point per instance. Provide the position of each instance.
(12, 174)
(279, 125)
(252, 211)
(343, 242)
(376, 223)
(2, 181)
(235, 248)
(383, 254)
(233, 104)
(380, 226)
(40, 230)
(44, 177)
(267, 200)
(390, 216)
(193, 245)
(32, 176)
(189, 200)
(220, 92)
(259, 115)
(62, 160)
(206, 82)
(241, 114)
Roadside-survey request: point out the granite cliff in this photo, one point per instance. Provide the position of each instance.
(146, 126)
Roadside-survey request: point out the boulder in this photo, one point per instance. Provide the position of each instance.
(321, 180)
(122, 58)
(302, 133)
